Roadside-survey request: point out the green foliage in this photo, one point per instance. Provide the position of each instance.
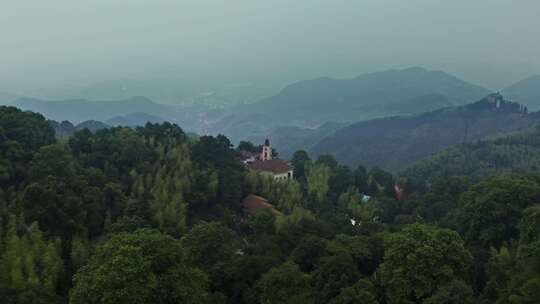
(56, 205)
(208, 244)
(286, 195)
(489, 213)
(308, 252)
(167, 183)
(421, 259)
(216, 152)
(285, 284)
(91, 197)
(247, 146)
(529, 226)
(30, 265)
(318, 176)
(328, 160)
(21, 135)
(80, 251)
(142, 267)
(522, 281)
(479, 159)
(362, 292)
(299, 160)
(455, 292)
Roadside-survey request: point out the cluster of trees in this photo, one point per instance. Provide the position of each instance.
(150, 215)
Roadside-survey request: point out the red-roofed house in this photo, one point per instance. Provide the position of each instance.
(266, 164)
(252, 203)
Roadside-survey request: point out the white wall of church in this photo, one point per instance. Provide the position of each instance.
(284, 176)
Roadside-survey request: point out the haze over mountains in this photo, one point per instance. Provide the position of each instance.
(395, 142)
(328, 115)
(311, 103)
(81, 110)
(407, 91)
(308, 103)
(526, 91)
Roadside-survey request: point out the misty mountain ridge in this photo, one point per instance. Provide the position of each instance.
(134, 119)
(311, 103)
(368, 96)
(526, 91)
(396, 142)
(131, 111)
(79, 110)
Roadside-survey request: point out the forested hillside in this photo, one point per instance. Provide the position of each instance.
(506, 154)
(148, 215)
(397, 142)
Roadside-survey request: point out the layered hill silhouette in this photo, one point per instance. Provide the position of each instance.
(310, 104)
(396, 142)
(134, 119)
(135, 111)
(407, 91)
(526, 92)
(80, 110)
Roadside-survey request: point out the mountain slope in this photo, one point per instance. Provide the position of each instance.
(396, 142)
(507, 154)
(526, 92)
(408, 91)
(134, 119)
(81, 110)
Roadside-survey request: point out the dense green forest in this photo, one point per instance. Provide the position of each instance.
(150, 215)
(515, 153)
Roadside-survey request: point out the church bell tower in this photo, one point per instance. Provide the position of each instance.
(266, 151)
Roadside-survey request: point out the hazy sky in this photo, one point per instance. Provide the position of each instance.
(65, 42)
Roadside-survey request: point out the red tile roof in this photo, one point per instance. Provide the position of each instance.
(275, 166)
(252, 203)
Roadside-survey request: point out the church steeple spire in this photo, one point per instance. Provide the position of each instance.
(266, 150)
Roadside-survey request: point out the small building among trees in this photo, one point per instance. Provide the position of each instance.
(266, 162)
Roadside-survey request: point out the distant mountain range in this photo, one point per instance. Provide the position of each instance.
(352, 118)
(311, 103)
(134, 119)
(66, 128)
(526, 92)
(408, 91)
(128, 112)
(396, 142)
(81, 110)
